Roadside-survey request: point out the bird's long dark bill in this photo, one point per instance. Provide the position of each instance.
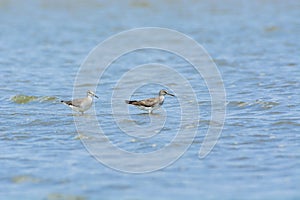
(96, 96)
(171, 94)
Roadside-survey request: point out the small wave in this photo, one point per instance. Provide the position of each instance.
(266, 104)
(286, 122)
(262, 104)
(23, 99)
(238, 104)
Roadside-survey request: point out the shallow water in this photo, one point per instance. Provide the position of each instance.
(255, 45)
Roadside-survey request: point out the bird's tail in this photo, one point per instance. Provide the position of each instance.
(66, 102)
(130, 102)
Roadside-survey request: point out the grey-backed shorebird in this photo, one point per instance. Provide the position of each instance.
(83, 104)
(152, 103)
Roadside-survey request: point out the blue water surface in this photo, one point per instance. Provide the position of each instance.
(255, 45)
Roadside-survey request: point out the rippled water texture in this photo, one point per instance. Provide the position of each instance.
(255, 45)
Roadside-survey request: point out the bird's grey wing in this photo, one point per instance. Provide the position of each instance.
(75, 102)
(147, 102)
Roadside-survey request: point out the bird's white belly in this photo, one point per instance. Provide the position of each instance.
(149, 108)
(85, 106)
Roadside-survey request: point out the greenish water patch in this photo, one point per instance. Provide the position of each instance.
(65, 197)
(23, 99)
(25, 179)
(271, 28)
(140, 4)
(47, 98)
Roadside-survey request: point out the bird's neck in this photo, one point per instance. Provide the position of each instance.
(161, 98)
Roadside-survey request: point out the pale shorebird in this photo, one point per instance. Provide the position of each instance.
(82, 104)
(152, 103)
